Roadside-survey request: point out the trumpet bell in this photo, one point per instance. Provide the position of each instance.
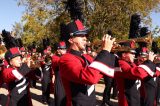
(96, 45)
(2, 51)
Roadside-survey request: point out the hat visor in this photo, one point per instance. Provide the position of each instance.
(62, 47)
(81, 32)
(15, 55)
(132, 51)
(143, 54)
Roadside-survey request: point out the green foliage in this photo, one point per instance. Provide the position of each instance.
(42, 18)
(115, 15)
(38, 21)
(156, 33)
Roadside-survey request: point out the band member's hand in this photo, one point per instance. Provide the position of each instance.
(107, 42)
(24, 60)
(151, 56)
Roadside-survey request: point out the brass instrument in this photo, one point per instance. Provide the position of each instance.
(35, 63)
(147, 39)
(157, 59)
(3, 50)
(117, 47)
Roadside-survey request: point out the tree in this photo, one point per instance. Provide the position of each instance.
(18, 28)
(38, 20)
(42, 18)
(115, 15)
(156, 33)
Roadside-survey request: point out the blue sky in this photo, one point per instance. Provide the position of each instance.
(155, 19)
(11, 13)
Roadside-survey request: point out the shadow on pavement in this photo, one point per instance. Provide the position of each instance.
(39, 99)
(99, 94)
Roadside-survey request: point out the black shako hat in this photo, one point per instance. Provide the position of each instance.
(60, 45)
(76, 28)
(128, 47)
(73, 29)
(11, 53)
(11, 44)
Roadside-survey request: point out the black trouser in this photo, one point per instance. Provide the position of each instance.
(36, 72)
(45, 91)
(109, 83)
(150, 91)
(115, 91)
(23, 101)
(158, 90)
(132, 93)
(33, 83)
(59, 93)
(84, 100)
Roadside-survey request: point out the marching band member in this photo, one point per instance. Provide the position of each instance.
(16, 78)
(127, 80)
(16, 75)
(46, 72)
(46, 79)
(78, 71)
(149, 84)
(58, 86)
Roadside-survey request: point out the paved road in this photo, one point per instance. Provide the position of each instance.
(36, 95)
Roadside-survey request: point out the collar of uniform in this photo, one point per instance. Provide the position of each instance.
(74, 52)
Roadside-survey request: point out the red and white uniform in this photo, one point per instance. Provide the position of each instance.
(79, 73)
(128, 83)
(149, 88)
(18, 86)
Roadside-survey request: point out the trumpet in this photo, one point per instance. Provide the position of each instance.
(32, 61)
(147, 39)
(2, 51)
(157, 59)
(35, 63)
(117, 47)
